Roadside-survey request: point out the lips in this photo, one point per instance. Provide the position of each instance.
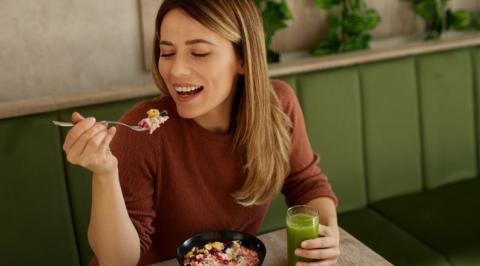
(185, 92)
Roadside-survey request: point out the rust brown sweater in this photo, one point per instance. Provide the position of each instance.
(177, 182)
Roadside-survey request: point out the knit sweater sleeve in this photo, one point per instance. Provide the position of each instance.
(305, 181)
(137, 165)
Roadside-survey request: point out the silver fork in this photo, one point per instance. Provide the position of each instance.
(67, 124)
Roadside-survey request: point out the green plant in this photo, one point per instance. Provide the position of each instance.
(349, 26)
(275, 13)
(439, 18)
(476, 23)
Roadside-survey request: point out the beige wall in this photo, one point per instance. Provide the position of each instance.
(53, 47)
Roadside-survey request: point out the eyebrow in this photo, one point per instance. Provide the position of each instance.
(189, 42)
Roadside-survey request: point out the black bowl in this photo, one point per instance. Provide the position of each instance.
(200, 240)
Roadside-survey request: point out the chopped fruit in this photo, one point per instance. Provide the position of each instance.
(216, 254)
(153, 120)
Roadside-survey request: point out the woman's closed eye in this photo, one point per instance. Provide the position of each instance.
(200, 54)
(194, 54)
(166, 54)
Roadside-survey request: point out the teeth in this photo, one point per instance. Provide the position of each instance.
(186, 89)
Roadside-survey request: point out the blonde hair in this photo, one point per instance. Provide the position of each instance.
(262, 130)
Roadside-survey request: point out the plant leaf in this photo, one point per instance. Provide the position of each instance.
(328, 46)
(285, 10)
(334, 23)
(353, 24)
(357, 43)
(274, 17)
(272, 56)
(459, 20)
(427, 9)
(326, 4)
(371, 19)
(477, 22)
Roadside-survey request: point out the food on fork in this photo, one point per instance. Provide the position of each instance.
(153, 120)
(221, 254)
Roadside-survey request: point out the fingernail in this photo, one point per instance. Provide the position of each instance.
(297, 252)
(91, 119)
(303, 244)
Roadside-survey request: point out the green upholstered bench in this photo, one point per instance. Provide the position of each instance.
(398, 140)
(36, 225)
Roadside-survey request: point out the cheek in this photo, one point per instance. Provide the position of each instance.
(219, 69)
(224, 75)
(162, 68)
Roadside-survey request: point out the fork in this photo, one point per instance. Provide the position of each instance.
(67, 124)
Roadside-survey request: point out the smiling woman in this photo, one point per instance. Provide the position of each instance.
(213, 48)
(234, 139)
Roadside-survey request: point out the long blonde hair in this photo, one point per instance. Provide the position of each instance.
(262, 130)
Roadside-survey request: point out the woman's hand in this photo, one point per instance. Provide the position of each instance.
(87, 145)
(325, 248)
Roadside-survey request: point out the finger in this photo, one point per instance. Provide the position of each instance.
(320, 242)
(327, 253)
(77, 149)
(318, 263)
(106, 141)
(77, 117)
(325, 230)
(95, 141)
(77, 131)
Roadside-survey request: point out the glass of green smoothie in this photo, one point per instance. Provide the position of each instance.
(302, 224)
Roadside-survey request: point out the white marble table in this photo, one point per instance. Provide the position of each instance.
(352, 251)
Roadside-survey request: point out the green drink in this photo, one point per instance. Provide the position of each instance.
(302, 224)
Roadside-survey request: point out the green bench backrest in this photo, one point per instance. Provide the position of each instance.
(36, 225)
(394, 127)
(447, 107)
(391, 128)
(332, 109)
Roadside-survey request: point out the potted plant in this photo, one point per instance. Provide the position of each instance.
(349, 26)
(439, 18)
(275, 14)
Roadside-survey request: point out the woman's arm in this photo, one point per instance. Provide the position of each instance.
(327, 210)
(111, 234)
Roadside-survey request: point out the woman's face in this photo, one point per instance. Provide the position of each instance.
(199, 67)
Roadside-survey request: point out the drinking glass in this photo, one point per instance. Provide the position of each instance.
(302, 224)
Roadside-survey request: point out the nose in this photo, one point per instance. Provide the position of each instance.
(180, 67)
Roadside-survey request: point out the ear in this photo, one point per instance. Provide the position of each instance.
(241, 68)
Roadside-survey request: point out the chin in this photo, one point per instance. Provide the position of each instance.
(187, 114)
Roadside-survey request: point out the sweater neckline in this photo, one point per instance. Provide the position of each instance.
(207, 133)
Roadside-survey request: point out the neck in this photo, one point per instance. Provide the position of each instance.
(217, 122)
(219, 119)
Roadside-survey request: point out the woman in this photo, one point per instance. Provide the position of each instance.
(234, 139)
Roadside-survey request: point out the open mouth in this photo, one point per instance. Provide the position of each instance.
(186, 91)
